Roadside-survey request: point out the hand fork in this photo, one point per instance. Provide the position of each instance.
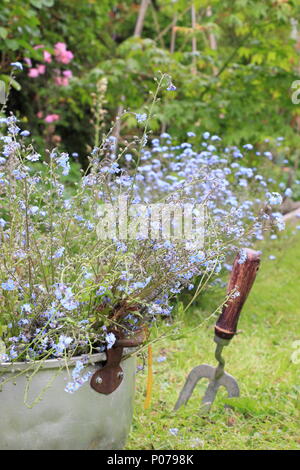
(241, 280)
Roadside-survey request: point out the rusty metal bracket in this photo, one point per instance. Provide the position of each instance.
(108, 379)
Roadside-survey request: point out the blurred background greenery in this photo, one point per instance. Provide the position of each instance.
(233, 64)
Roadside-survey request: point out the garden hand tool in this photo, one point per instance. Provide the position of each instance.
(242, 277)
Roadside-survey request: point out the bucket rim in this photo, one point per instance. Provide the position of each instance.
(59, 362)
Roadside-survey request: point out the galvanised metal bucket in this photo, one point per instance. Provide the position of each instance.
(60, 420)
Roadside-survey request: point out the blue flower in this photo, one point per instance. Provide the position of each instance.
(242, 257)
(17, 65)
(59, 253)
(288, 192)
(4, 357)
(101, 290)
(161, 359)
(87, 274)
(198, 257)
(34, 157)
(33, 210)
(171, 87)
(110, 340)
(8, 285)
(69, 304)
(243, 183)
(63, 162)
(164, 135)
(59, 289)
(19, 175)
(77, 369)
(274, 198)
(13, 353)
(268, 155)
(65, 340)
(25, 133)
(66, 297)
(63, 343)
(120, 246)
(248, 146)
(278, 220)
(72, 387)
(140, 117)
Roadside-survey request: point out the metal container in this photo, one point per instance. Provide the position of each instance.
(60, 420)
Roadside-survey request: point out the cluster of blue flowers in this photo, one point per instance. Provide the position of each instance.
(78, 378)
(63, 290)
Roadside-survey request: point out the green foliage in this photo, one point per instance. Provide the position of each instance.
(238, 88)
(20, 26)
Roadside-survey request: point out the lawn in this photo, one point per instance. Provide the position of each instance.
(266, 416)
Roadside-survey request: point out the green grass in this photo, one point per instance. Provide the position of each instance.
(267, 415)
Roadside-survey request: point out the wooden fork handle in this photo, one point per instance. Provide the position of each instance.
(241, 280)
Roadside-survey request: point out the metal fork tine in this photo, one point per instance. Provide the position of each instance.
(199, 372)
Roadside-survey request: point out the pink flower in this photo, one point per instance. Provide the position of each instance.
(28, 61)
(40, 114)
(60, 47)
(47, 57)
(33, 73)
(66, 57)
(57, 81)
(67, 73)
(64, 81)
(51, 118)
(41, 69)
(62, 54)
(39, 46)
(61, 81)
